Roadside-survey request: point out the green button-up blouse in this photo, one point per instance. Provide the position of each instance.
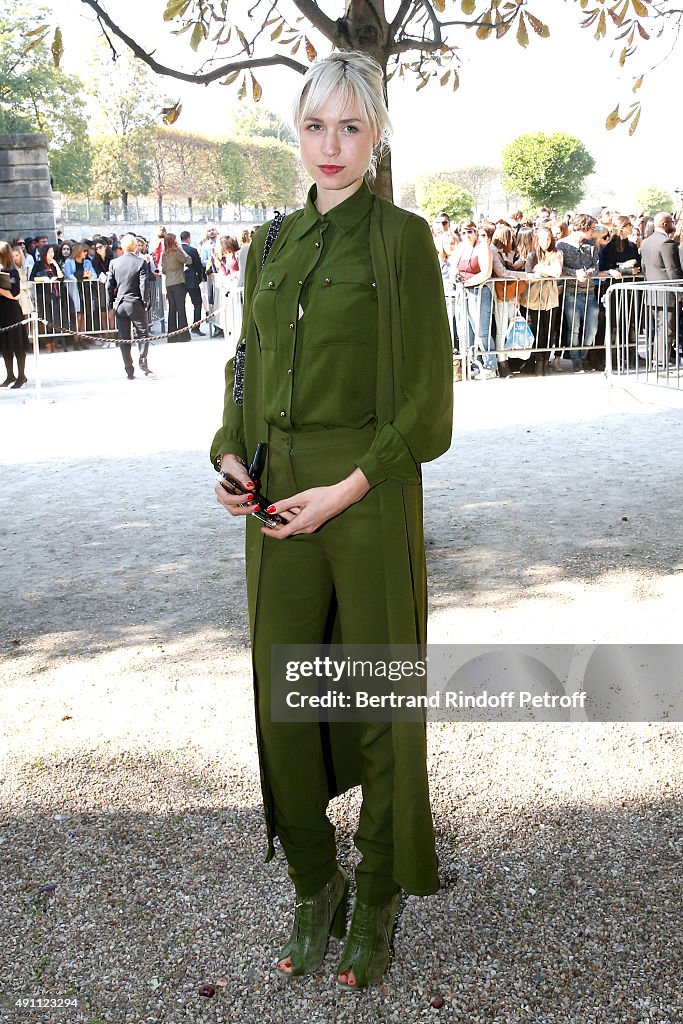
(315, 311)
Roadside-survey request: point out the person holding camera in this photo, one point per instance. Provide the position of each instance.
(344, 371)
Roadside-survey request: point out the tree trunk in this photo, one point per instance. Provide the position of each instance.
(220, 212)
(365, 27)
(189, 204)
(124, 203)
(106, 209)
(160, 211)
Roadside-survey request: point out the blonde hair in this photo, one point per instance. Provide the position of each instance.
(357, 79)
(6, 261)
(128, 243)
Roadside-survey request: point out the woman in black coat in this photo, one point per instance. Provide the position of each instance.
(52, 298)
(12, 343)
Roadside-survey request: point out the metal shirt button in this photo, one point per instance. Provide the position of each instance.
(290, 370)
(373, 284)
(317, 245)
(328, 280)
(291, 327)
(271, 284)
(282, 412)
(300, 282)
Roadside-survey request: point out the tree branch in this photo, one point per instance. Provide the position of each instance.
(436, 25)
(203, 79)
(317, 18)
(426, 45)
(401, 13)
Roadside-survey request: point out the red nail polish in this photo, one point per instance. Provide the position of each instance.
(271, 508)
(250, 485)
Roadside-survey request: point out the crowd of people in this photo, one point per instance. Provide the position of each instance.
(551, 273)
(66, 281)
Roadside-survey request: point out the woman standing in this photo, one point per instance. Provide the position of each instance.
(348, 380)
(508, 289)
(174, 259)
(53, 303)
(541, 304)
(79, 272)
(472, 265)
(12, 343)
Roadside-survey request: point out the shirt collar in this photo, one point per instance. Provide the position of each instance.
(345, 216)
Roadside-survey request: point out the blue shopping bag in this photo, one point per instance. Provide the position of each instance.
(519, 336)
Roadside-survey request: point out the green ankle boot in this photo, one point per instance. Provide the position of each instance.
(369, 942)
(315, 919)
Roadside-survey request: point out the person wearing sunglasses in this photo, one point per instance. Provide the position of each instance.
(472, 266)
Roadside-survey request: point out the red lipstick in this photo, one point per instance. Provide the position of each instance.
(330, 168)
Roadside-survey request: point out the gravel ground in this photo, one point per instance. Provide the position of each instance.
(131, 835)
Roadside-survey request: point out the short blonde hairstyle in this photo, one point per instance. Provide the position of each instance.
(358, 80)
(128, 243)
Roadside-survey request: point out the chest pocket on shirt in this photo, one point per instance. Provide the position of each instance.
(344, 306)
(268, 309)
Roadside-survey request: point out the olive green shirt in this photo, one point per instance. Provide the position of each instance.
(315, 311)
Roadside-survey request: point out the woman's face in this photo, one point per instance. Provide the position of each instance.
(336, 148)
(17, 257)
(625, 230)
(49, 255)
(66, 251)
(544, 239)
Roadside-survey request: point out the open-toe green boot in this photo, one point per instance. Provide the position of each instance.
(315, 919)
(369, 942)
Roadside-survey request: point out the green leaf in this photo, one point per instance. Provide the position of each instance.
(57, 47)
(439, 5)
(197, 36)
(444, 78)
(35, 42)
(468, 7)
(637, 84)
(232, 77)
(245, 45)
(484, 31)
(522, 34)
(37, 31)
(640, 8)
(175, 8)
(242, 91)
(278, 31)
(456, 81)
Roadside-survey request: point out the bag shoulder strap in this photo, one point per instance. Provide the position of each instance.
(273, 230)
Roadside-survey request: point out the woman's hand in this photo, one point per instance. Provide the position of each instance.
(308, 510)
(235, 504)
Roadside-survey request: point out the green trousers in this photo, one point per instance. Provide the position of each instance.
(300, 580)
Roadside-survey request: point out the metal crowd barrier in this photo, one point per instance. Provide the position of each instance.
(569, 333)
(644, 332)
(69, 305)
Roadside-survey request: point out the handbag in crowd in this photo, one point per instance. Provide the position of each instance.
(5, 281)
(509, 290)
(241, 352)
